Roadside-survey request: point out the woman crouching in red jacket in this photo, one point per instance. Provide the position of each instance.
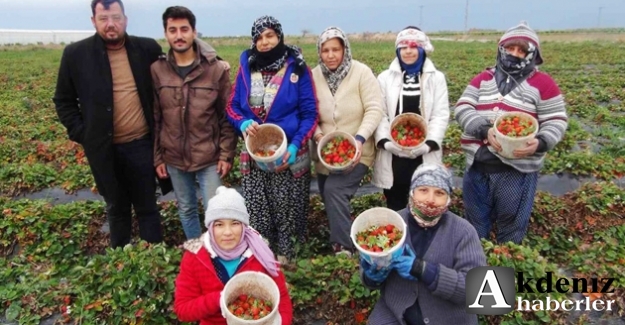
(229, 247)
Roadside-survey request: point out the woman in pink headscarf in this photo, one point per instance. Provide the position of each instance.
(230, 246)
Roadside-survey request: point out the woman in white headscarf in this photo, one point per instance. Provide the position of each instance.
(410, 85)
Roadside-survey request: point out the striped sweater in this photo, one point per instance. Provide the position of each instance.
(481, 103)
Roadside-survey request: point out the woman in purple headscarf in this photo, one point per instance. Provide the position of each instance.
(230, 246)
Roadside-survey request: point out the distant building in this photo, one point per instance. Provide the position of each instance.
(26, 36)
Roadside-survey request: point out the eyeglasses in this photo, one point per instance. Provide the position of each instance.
(114, 18)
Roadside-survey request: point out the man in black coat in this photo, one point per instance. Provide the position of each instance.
(104, 98)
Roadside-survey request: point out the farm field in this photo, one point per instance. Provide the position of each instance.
(54, 261)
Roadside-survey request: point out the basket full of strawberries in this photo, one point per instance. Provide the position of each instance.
(513, 130)
(337, 151)
(408, 131)
(379, 235)
(251, 298)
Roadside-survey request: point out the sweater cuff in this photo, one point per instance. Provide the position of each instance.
(426, 272)
(483, 131)
(417, 268)
(432, 144)
(430, 275)
(360, 138)
(368, 282)
(382, 142)
(542, 145)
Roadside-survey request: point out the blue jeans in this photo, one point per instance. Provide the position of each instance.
(184, 188)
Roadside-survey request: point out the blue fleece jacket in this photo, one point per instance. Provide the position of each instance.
(294, 109)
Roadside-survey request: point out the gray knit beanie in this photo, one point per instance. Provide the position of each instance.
(432, 175)
(227, 204)
(524, 32)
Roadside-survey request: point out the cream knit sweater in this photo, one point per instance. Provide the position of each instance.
(355, 108)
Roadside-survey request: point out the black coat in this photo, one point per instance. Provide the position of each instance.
(84, 99)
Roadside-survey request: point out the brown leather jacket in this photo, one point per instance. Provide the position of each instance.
(190, 125)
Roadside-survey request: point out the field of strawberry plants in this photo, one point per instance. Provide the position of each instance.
(54, 261)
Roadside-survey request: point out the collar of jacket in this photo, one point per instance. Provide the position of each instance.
(203, 51)
(244, 64)
(428, 66)
(100, 45)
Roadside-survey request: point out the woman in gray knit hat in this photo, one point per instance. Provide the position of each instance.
(427, 284)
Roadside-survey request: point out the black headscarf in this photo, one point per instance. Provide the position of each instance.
(275, 58)
(511, 70)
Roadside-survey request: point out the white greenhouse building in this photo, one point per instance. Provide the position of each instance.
(25, 36)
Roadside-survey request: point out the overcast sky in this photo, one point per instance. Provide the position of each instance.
(235, 17)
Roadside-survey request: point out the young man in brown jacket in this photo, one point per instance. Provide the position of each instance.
(193, 138)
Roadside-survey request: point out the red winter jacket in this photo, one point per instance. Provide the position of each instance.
(198, 288)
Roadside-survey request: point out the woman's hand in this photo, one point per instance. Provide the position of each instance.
(290, 157)
(318, 137)
(403, 264)
(249, 127)
(492, 140)
(397, 151)
(358, 153)
(529, 150)
(375, 275)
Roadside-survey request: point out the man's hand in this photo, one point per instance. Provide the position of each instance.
(223, 168)
(532, 145)
(161, 171)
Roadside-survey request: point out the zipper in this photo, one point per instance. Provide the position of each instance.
(247, 90)
(278, 92)
(185, 115)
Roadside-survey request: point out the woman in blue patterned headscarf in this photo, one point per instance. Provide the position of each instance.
(427, 284)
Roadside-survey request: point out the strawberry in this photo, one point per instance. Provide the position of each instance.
(264, 153)
(515, 126)
(249, 307)
(379, 238)
(407, 135)
(338, 152)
